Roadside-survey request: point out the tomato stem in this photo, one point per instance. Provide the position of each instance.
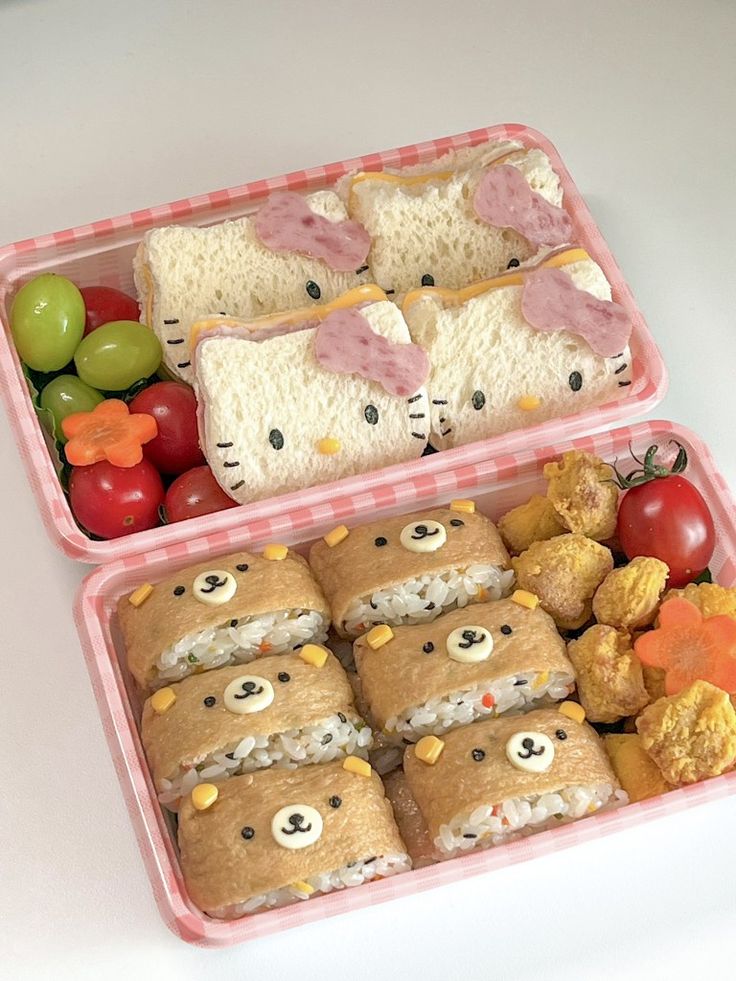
(648, 469)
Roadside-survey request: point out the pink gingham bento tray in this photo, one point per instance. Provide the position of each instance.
(101, 254)
(495, 485)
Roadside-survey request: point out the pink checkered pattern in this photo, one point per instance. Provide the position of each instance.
(496, 485)
(101, 253)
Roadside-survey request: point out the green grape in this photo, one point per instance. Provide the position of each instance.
(47, 321)
(65, 395)
(117, 354)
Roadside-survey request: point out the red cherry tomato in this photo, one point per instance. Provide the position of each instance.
(195, 493)
(105, 304)
(114, 501)
(668, 519)
(174, 407)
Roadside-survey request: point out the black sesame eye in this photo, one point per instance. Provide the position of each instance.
(371, 414)
(506, 629)
(561, 734)
(427, 280)
(335, 801)
(210, 701)
(314, 291)
(478, 755)
(575, 381)
(428, 647)
(247, 832)
(276, 439)
(179, 591)
(284, 677)
(513, 263)
(380, 541)
(457, 522)
(478, 400)
(243, 567)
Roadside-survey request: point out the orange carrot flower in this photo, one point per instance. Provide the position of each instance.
(109, 432)
(690, 647)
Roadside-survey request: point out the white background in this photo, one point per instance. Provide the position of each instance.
(109, 107)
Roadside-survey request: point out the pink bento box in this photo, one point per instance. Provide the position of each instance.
(101, 254)
(495, 485)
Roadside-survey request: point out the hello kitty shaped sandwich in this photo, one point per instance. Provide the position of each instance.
(409, 568)
(531, 345)
(473, 663)
(499, 779)
(226, 610)
(285, 711)
(468, 215)
(276, 837)
(295, 250)
(311, 396)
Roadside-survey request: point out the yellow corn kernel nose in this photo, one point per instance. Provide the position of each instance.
(527, 403)
(329, 445)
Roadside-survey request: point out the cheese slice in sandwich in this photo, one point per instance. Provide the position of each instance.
(280, 410)
(278, 837)
(283, 711)
(423, 225)
(182, 274)
(493, 372)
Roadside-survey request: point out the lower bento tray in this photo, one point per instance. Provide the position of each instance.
(495, 485)
(101, 253)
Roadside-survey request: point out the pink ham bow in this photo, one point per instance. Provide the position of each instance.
(550, 301)
(346, 342)
(286, 223)
(504, 199)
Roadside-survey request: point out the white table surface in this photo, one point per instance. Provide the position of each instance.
(109, 107)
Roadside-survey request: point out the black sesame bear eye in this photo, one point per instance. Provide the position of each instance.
(371, 414)
(247, 832)
(575, 381)
(314, 291)
(478, 755)
(179, 591)
(478, 399)
(506, 629)
(335, 801)
(513, 263)
(284, 677)
(561, 734)
(210, 701)
(427, 280)
(457, 522)
(380, 541)
(276, 439)
(242, 567)
(428, 647)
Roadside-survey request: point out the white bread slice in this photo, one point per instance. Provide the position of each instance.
(428, 227)
(247, 389)
(182, 274)
(485, 357)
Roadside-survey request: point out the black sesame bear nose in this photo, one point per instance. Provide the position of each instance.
(249, 685)
(527, 743)
(296, 819)
(213, 580)
(421, 529)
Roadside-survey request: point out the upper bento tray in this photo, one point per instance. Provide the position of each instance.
(101, 253)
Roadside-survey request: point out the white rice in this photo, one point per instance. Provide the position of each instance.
(354, 874)
(517, 693)
(423, 599)
(240, 641)
(331, 739)
(519, 817)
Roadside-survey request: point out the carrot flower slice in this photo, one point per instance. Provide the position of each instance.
(109, 432)
(690, 647)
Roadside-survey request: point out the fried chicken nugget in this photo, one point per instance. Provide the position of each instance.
(609, 675)
(636, 771)
(629, 597)
(564, 573)
(712, 600)
(535, 521)
(583, 494)
(692, 735)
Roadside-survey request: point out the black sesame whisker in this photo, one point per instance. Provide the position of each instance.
(439, 401)
(621, 368)
(445, 432)
(172, 321)
(175, 340)
(231, 463)
(360, 270)
(224, 446)
(238, 485)
(623, 384)
(389, 292)
(413, 398)
(419, 435)
(416, 415)
(183, 364)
